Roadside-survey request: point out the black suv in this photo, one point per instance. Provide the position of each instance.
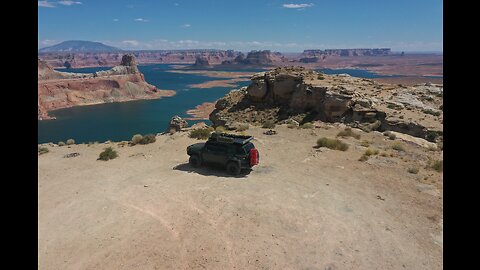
(235, 152)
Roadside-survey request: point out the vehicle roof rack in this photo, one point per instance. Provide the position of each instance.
(230, 138)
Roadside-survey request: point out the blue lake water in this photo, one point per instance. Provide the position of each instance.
(120, 121)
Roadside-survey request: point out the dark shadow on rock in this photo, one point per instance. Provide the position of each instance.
(209, 170)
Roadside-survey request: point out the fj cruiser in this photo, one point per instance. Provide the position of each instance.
(235, 152)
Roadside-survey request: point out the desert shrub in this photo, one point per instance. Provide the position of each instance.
(70, 141)
(390, 135)
(320, 77)
(108, 154)
(334, 144)
(348, 132)
(220, 129)
(372, 126)
(436, 165)
(363, 158)
(61, 143)
(431, 136)
(268, 124)
(307, 125)
(371, 152)
(202, 133)
(136, 139)
(148, 138)
(365, 143)
(398, 146)
(242, 127)
(384, 154)
(413, 170)
(42, 150)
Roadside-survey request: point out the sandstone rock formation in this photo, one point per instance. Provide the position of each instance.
(305, 95)
(201, 62)
(121, 83)
(257, 58)
(177, 123)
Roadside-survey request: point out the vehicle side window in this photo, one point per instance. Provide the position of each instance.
(216, 148)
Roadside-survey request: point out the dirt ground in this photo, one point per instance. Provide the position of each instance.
(300, 208)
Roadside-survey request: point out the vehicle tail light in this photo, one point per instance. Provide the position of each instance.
(254, 157)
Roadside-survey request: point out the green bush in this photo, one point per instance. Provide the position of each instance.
(334, 144)
(370, 152)
(149, 138)
(437, 165)
(70, 141)
(398, 147)
(203, 133)
(307, 125)
(268, 124)
(136, 139)
(108, 154)
(61, 143)
(348, 132)
(42, 150)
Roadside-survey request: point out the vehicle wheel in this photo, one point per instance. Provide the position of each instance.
(233, 168)
(194, 161)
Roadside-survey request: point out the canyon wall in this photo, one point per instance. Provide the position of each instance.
(123, 82)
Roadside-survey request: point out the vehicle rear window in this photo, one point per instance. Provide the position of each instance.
(247, 147)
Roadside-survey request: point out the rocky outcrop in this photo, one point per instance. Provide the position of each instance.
(296, 93)
(177, 124)
(201, 62)
(124, 82)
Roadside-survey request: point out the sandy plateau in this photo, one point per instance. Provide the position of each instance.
(300, 208)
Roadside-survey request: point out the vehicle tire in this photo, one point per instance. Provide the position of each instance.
(194, 161)
(233, 168)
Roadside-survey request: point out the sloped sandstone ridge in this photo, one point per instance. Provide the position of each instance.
(124, 82)
(305, 95)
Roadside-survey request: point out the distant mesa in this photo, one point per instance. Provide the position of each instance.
(257, 58)
(347, 52)
(79, 46)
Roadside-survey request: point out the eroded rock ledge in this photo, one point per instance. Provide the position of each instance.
(124, 82)
(306, 95)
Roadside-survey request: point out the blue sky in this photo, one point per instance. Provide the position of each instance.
(285, 26)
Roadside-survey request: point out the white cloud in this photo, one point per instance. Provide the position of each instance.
(45, 4)
(141, 20)
(186, 25)
(130, 43)
(297, 6)
(47, 42)
(115, 20)
(69, 3)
